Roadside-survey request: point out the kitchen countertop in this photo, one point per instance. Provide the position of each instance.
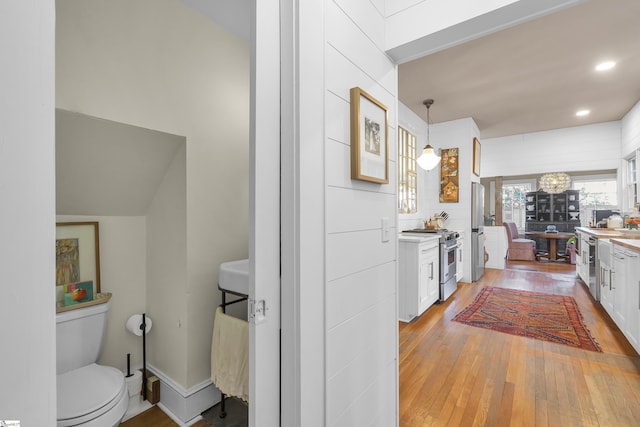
(633, 244)
(610, 233)
(418, 237)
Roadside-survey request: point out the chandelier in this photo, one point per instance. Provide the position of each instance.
(428, 159)
(555, 182)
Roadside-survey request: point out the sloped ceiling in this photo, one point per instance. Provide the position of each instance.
(108, 168)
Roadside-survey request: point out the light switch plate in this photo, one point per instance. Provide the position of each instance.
(385, 229)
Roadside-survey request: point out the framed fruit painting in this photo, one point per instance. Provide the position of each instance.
(77, 263)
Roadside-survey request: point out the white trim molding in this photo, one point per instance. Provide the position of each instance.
(183, 405)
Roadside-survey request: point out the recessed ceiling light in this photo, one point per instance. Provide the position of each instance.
(604, 66)
(582, 113)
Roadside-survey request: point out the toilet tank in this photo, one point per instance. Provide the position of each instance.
(80, 335)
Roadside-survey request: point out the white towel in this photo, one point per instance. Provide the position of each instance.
(230, 355)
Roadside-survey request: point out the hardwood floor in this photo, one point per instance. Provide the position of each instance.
(457, 375)
(154, 417)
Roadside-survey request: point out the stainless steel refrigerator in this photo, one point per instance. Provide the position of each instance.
(477, 231)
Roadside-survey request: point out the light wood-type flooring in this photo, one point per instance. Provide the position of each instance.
(154, 417)
(457, 375)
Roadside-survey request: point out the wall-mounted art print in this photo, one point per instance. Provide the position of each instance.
(77, 262)
(369, 138)
(476, 157)
(449, 177)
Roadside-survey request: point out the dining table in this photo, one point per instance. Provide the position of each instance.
(552, 243)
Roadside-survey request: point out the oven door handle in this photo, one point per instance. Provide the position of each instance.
(449, 248)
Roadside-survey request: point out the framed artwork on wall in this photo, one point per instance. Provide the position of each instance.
(77, 262)
(369, 138)
(449, 176)
(476, 157)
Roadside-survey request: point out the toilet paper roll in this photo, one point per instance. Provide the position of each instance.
(134, 383)
(134, 323)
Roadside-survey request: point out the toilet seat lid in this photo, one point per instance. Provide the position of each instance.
(88, 389)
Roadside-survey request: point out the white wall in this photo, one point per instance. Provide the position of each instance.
(123, 250)
(160, 65)
(580, 148)
(630, 142)
(630, 139)
(456, 134)
(166, 244)
(27, 213)
(360, 284)
(418, 127)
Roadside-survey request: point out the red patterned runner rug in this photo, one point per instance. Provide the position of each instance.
(547, 317)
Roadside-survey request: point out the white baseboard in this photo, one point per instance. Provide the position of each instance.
(182, 405)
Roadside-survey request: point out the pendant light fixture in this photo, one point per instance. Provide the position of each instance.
(555, 182)
(428, 159)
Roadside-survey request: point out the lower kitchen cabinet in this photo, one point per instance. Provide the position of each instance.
(626, 279)
(419, 271)
(605, 266)
(583, 266)
(619, 287)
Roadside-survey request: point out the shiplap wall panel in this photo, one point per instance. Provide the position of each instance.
(580, 148)
(363, 412)
(367, 366)
(338, 124)
(395, 6)
(367, 17)
(337, 118)
(349, 253)
(351, 42)
(361, 334)
(338, 172)
(361, 309)
(631, 131)
(349, 210)
(342, 74)
(353, 294)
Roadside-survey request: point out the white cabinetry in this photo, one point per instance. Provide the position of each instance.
(459, 258)
(619, 287)
(626, 285)
(419, 270)
(583, 266)
(604, 273)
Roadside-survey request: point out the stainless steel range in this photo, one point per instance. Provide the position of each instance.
(448, 259)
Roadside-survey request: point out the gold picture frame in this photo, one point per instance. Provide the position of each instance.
(449, 176)
(476, 157)
(77, 257)
(369, 138)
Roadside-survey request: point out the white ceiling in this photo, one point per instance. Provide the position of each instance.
(527, 78)
(534, 76)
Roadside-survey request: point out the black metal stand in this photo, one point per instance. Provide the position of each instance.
(143, 327)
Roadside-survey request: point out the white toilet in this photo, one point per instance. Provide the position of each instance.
(88, 394)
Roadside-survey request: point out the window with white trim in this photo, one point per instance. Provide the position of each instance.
(596, 192)
(632, 181)
(407, 172)
(513, 202)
